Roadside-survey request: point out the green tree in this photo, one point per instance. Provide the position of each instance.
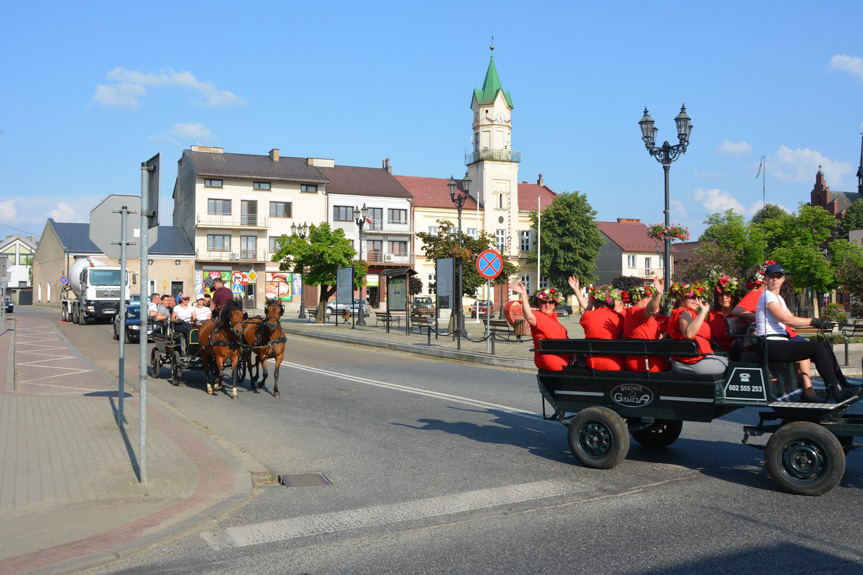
(444, 244)
(415, 285)
(570, 240)
(321, 253)
(768, 212)
(847, 261)
(852, 219)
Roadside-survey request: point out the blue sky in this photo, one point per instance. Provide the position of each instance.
(93, 89)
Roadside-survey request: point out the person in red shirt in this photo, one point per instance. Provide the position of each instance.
(725, 291)
(221, 296)
(688, 321)
(602, 322)
(543, 324)
(639, 322)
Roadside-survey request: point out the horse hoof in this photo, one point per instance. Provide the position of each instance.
(275, 394)
(210, 391)
(234, 394)
(218, 387)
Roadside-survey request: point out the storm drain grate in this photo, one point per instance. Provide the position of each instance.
(304, 480)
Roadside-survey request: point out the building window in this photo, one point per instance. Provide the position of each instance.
(262, 186)
(221, 207)
(274, 244)
(543, 282)
(525, 280)
(399, 248)
(433, 230)
(525, 240)
(500, 240)
(500, 201)
(630, 261)
(662, 262)
(248, 212)
(218, 243)
(25, 259)
(248, 247)
(212, 183)
(398, 216)
(647, 265)
(343, 213)
(309, 188)
(374, 248)
(471, 233)
(280, 209)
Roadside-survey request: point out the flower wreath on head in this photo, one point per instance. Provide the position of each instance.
(637, 294)
(605, 295)
(757, 279)
(549, 294)
(695, 289)
(727, 285)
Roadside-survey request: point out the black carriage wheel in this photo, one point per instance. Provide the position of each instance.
(155, 364)
(598, 438)
(241, 370)
(661, 433)
(804, 458)
(175, 368)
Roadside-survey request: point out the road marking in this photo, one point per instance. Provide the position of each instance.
(417, 391)
(308, 525)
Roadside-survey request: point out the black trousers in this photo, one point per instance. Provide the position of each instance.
(821, 356)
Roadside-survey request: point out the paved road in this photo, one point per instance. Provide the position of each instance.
(438, 467)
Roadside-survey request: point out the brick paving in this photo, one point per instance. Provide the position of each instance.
(69, 488)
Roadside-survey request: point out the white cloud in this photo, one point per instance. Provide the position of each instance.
(717, 200)
(194, 130)
(130, 86)
(8, 213)
(64, 213)
(851, 64)
(728, 147)
(678, 209)
(802, 164)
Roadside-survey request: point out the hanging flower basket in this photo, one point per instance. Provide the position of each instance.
(671, 232)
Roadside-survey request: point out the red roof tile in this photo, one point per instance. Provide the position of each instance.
(630, 236)
(432, 192)
(528, 194)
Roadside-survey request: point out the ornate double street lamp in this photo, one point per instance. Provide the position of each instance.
(301, 231)
(459, 197)
(360, 216)
(665, 154)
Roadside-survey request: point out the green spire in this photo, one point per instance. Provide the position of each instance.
(490, 87)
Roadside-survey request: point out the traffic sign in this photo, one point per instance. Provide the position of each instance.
(237, 289)
(252, 276)
(63, 279)
(237, 277)
(106, 220)
(489, 264)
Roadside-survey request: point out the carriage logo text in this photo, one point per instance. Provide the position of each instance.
(631, 395)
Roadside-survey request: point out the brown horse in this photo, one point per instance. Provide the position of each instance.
(221, 340)
(265, 338)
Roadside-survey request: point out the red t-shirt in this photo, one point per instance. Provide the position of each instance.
(750, 302)
(636, 326)
(719, 330)
(547, 327)
(221, 297)
(603, 323)
(702, 338)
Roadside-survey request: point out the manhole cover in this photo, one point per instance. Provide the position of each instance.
(304, 480)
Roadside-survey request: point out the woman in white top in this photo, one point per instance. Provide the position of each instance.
(201, 313)
(182, 316)
(771, 317)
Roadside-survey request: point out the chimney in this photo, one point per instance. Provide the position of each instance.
(274, 154)
(539, 181)
(628, 221)
(385, 164)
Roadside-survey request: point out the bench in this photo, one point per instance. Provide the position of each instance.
(312, 314)
(849, 330)
(421, 322)
(500, 329)
(387, 318)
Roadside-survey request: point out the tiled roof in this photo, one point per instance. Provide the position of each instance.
(363, 182)
(75, 237)
(432, 192)
(253, 166)
(844, 200)
(629, 236)
(528, 194)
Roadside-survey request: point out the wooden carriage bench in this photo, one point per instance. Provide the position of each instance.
(387, 318)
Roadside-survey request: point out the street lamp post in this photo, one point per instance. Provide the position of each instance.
(459, 197)
(360, 216)
(301, 231)
(665, 154)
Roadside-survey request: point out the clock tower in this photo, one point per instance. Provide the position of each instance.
(492, 164)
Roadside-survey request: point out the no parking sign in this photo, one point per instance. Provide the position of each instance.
(489, 264)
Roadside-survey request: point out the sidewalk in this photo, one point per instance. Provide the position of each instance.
(70, 497)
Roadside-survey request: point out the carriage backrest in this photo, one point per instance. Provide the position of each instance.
(647, 347)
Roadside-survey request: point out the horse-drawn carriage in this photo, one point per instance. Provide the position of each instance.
(233, 340)
(603, 409)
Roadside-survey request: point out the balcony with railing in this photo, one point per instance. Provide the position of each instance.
(645, 273)
(245, 221)
(233, 255)
(388, 258)
(384, 227)
(490, 154)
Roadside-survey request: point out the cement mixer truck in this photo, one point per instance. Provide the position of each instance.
(93, 292)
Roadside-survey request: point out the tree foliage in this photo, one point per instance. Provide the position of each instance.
(321, 254)
(570, 240)
(852, 219)
(444, 244)
(415, 285)
(768, 212)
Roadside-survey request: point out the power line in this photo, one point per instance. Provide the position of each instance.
(17, 230)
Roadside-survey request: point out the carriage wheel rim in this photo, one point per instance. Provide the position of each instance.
(594, 440)
(804, 462)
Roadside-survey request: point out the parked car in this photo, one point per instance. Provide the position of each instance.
(422, 304)
(334, 307)
(132, 331)
(485, 307)
(10, 307)
(563, 310)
